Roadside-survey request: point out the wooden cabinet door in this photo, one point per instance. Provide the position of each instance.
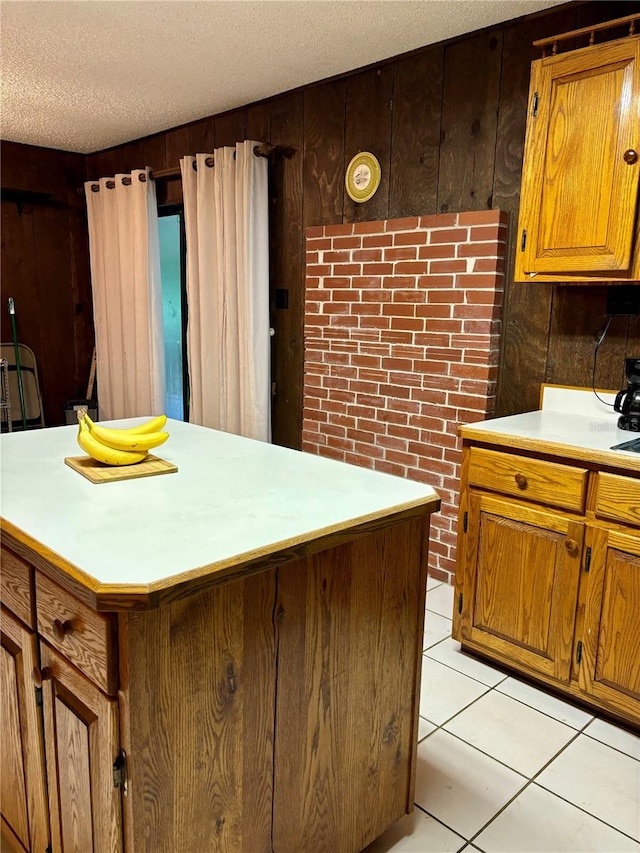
(609, 668)
(578, 192)
(82, 745)
(520, 570)
(23, 788)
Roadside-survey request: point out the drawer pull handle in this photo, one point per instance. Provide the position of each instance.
(62, 629)
(521, 480)
(571, 545)
(39, 675)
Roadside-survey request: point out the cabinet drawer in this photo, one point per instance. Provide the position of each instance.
(15, 585)
(86, 638)
(618, 498)
(549, 483)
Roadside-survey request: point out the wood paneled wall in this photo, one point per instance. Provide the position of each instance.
(447, 124)
(45, 268)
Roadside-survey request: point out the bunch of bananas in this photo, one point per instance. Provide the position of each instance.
(119, 446)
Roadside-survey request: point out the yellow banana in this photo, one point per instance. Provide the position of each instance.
(119, 439)
(102, 453)
(154, 425)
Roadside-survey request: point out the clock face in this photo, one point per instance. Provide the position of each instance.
(363, 176)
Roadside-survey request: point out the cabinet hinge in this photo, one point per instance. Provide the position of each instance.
(120, 772)
(460, 603)
(38, 697)
(534, 104)
(579, 651)
(523, 241)
(587, 560)
(465, 521)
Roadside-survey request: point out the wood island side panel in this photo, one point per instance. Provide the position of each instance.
(347, 688)
(197, 704)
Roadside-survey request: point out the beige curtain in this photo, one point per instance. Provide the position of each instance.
(127, 295)
(228, 342)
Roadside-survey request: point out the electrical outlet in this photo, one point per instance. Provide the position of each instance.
(623, 299)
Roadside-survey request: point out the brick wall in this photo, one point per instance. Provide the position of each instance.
(401, 336)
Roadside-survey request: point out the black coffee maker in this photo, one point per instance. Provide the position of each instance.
(628, 401)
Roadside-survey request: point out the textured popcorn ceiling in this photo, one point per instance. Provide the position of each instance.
(83, 75)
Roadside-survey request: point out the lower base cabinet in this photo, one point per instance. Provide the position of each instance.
(276, 712)
(548, 574)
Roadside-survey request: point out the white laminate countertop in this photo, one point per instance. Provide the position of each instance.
(230, 497)
(579, 434)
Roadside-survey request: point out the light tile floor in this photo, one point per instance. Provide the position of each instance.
(506, 768)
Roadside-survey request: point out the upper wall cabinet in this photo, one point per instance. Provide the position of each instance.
(578, 213)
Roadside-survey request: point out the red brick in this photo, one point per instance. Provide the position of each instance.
(447, 266)
(376, 295)
(448, 235)
(378, 241)
(466, 401)
(375, 322)
(404, 224)
(344, 321)
(430, 281)
(338, 230)
(373, 374)
(438, 220)
(488, 265)
(409, 238)
(474, 281)
(316, 294)
(407, 324)
(314, 231)
(367, 255)
(475, 326)
(358, 459)
(476, 312)
(402, 253)
(449, 296)
(336, 257)
(391, 417)
(346, 242)
(479, 217)
(343, 295)
(390, 468)
(430, 367)
(369, 282)
(399, 309)
(482, 297)
(405, 432)
(391, 443)
(311, 258)
(415, 296)
(371, 309)
(399, 281)
(392, 363)
(377, 269)
(319, 243)
(490, 232)
(411, 268)
(434, 310)
(440, 250)
(346, 269)
(317, 270)
(336, 308)
(368, 227)
(480, 250)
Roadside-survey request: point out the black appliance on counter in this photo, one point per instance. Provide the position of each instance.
(628, 401)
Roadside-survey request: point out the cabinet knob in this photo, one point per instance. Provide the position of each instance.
(571, 545)
(630, 156)
(39, 675)
(521, 480)
(61, 629)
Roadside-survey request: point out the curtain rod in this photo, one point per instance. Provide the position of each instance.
(264, 149)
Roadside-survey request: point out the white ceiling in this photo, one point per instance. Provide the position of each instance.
(83, 75)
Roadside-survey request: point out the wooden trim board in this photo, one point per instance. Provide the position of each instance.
(97, 472)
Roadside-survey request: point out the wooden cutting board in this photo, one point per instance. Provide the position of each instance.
(97, 472)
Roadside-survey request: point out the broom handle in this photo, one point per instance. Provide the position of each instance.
(12, 313)
(92, 375)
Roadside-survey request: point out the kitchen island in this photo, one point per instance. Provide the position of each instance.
(226, 657)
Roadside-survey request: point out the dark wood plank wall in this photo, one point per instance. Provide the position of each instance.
(447, 124)
(45, 268)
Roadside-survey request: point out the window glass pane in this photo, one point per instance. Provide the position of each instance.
(169, 235)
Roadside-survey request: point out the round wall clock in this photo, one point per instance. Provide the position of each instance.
(363, 176)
